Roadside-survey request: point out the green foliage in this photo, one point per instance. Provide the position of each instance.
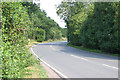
(64, 32)
(93, 25)
(21, 21)
(15, 26)
(40, 34)
(92, 50)
(39, 19)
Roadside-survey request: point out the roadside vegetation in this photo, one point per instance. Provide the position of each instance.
(22, 22)
(93, 25)
(90, 25)
(93, 50)
(35, 71)
(43, 28)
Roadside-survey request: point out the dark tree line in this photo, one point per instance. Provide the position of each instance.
(92, 25)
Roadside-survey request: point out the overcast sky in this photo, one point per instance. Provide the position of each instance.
(50, 7)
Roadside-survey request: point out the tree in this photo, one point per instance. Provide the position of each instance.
(40, 20)
(92, 25)
(40, 34)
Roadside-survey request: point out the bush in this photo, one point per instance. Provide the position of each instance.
(15, 27)
(39, 34)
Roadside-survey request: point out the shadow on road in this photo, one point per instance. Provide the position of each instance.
(62, 47)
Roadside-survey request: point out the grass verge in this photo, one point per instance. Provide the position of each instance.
(36, 70)
(92, 50)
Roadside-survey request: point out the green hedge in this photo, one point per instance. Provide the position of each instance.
(15, 27)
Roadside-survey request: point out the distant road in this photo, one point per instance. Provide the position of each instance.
(74, 63)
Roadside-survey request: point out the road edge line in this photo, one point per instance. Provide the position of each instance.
(58, 72)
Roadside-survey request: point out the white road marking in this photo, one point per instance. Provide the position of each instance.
(109, 66)
(92, 62)
(64, 76)
(79, 57)
(33, 52)
(105, 65)
(35, 45)
(52, 47)
(84, 59)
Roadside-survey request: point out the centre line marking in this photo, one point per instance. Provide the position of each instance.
(50, 45)
(79, 57)
(87, 60)
(109, 66)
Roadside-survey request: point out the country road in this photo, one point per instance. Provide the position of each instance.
(74, 63)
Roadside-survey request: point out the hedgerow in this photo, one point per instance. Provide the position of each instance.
(21, 21)
(15, 26)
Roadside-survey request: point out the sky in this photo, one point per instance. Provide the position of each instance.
(50, 8)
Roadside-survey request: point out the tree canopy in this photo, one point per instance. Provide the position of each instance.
(92, 25)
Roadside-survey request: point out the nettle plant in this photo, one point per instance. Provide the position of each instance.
(15, 28)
